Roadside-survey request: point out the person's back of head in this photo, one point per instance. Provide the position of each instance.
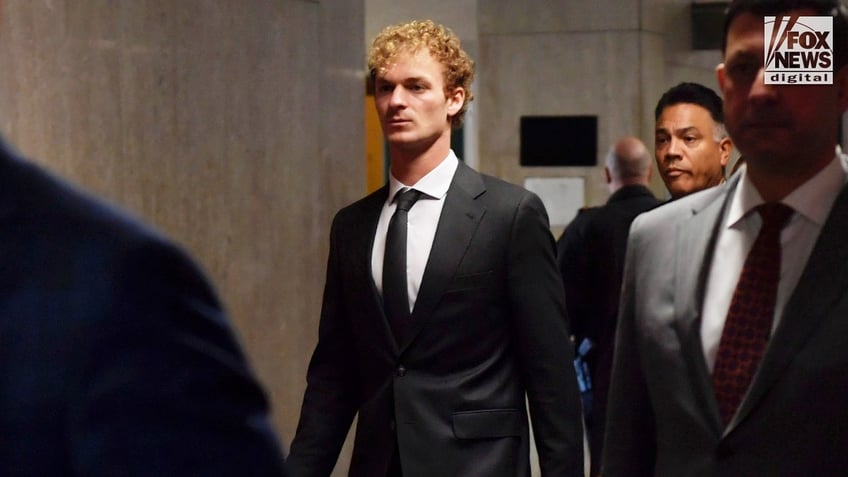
(628, 162)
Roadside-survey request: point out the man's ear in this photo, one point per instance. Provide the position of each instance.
(456, 99)
(720, 75)
(725, 147)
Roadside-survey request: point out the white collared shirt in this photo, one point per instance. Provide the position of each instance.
(422, 220)
(811, 202)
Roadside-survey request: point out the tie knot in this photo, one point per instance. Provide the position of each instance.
(406, 199)
(774, 215)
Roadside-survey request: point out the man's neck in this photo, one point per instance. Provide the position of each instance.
(615, 185)
(409, 166)
(775, 183)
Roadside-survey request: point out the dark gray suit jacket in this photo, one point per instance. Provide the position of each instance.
(489, 325)
(115, 356)
(663, 418)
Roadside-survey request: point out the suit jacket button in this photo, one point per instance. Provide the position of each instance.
(401, 371)
(392, 425)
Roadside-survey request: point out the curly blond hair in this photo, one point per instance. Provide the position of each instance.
(439, 40)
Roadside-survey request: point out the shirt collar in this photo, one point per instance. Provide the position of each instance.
(813, 199)
(434, 185)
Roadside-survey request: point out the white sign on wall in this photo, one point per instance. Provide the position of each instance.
(562, 196)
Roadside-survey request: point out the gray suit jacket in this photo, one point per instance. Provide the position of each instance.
(663, 417)
(489, 327)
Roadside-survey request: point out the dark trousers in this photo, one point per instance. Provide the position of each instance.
(394, 465)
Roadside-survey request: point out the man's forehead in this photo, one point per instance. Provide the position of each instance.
(744, 25)
(683, 109)
(677, 128)
(419, 56)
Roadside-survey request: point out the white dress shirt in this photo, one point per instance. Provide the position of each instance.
(811, 202)
(422, 220)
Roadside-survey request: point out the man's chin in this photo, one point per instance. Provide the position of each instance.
(763, 147)
(752, 138)
(684, 189)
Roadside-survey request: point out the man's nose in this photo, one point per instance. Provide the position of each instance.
(674, 148)
(760, 91)
(398, 97)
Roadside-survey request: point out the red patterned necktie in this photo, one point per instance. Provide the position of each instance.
(749, 319)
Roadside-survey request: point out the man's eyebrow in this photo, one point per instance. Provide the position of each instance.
(416, 79)
(410, 79)
(687, 129)
(678, 131)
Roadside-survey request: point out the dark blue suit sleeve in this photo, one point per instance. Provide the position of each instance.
(162, 387)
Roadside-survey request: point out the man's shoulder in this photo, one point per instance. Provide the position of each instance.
(370, 204)
(497, 184)
(98, 248)
(584, 216)
(500, 191)
(669, 214)
(43, 201)
(625, 211)
(574, 234)
(60, 223)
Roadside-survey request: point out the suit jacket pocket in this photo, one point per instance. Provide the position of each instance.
(469, 282)
(487, 423)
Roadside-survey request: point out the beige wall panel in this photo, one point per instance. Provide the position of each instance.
(459, 15)
(556, 74)
(341, 169)
(654, 83)
(238, 131)
(682, 62)
(697, 66)
(539, 16)
(654, 14)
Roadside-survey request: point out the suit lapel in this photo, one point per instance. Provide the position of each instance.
(695, 244)
(361, 237)
(809, 304)
(461, 214)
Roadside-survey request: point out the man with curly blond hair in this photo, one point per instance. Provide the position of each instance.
(443, 306)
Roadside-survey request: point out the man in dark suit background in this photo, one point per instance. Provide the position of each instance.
(116, 358)
(591, 260)
(730, 357)
(440, 381)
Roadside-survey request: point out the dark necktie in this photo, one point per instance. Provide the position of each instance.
(749, 319)
(395, 283)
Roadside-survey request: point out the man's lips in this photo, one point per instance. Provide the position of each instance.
(675, 173)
